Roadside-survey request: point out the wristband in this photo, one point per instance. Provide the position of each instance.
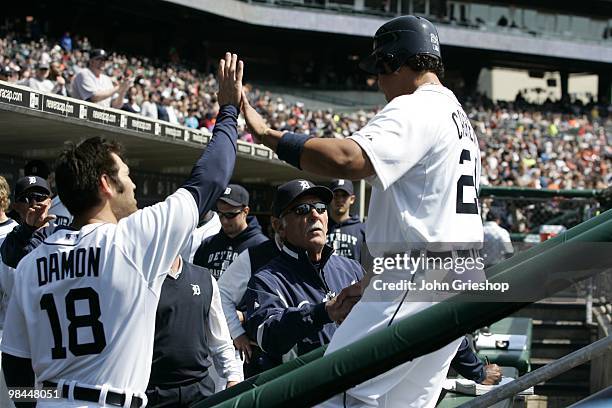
(290, 148)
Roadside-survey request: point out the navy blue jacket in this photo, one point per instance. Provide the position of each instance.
(216, 253)
(286, 300)
(467, 363)
(347, 237)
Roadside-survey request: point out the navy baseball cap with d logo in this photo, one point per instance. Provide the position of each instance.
(29, 183)
(342, 184)
(291, 191)
(235, 195)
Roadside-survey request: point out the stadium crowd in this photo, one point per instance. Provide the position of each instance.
(554, 145)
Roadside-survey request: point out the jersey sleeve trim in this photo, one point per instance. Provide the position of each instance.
(364, 143)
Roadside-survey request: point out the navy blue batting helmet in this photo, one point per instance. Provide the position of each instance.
(399, 39)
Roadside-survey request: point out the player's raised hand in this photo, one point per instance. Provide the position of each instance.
(37, 215)
(256, 124)
(230, 80)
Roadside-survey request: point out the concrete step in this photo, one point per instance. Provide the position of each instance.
(555, 348)
(577, 389)
(547, 401)
(555, 309)
(564, 329)
(579, 373)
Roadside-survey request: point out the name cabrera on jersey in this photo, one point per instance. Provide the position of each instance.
(427, 163)
(84, 302)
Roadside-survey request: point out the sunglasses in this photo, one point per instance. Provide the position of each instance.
(228, 215)
(32, 198)
(305, 208)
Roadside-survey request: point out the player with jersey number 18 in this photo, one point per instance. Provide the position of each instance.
(82, 314)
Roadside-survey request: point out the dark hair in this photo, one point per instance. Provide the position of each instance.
(78, 171)
(424, 62)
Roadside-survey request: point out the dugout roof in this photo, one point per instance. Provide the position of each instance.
(35, 125)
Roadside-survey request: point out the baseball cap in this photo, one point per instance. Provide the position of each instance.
(36, 168)
(98, 53)
(342, 184)
(42, 65)
(235, 195)
(27, 183)
(291, 191)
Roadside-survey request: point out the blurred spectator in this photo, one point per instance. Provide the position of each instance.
(149, 106)
(497, 244)
(40, 81)
(192, 121)
(66, 42)
(92, 85)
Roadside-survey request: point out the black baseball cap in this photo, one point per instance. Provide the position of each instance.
(291, 191)
(27, 183)
(98, 53)
(342, 184)
(36, 168)
(235, 195)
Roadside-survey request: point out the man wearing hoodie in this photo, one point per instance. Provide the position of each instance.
(239, 231)
(346, 234)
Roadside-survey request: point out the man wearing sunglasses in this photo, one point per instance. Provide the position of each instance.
(239, 231)
(422, 158)
(292, 305)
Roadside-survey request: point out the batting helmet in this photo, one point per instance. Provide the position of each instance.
(399, 39)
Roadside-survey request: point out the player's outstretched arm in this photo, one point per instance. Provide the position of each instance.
(328, 157)
(212, 172)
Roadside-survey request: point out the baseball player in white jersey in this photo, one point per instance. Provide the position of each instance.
(82, 313)
(422, 159)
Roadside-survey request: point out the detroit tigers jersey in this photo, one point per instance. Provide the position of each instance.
(83, 307)
(57, 208)
(427, 163)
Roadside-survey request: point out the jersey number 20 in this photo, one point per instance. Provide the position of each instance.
(47, 302)
(466, 181)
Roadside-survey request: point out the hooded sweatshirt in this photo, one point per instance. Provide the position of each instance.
(347, 237)
(218, 251)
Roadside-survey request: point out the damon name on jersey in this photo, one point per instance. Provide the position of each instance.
(76, 263)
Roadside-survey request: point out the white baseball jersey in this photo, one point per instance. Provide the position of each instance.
(210, 228)
(84, 302)
(6, 272)
(57, 208)
(427, 164)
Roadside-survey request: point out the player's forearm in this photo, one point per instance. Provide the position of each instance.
(467, 363)
(212, 172)
(282, 332)
(341, 158)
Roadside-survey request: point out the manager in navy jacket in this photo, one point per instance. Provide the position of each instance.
(295, 302)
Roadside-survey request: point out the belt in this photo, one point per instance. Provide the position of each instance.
(93, 395)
